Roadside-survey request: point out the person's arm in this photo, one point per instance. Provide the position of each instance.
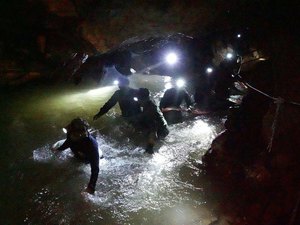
(187, 99)
(162, 103)
(94, 163)
(64, 146)
(108, 105)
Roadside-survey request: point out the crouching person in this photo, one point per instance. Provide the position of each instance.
(84, 147)
(151, 119)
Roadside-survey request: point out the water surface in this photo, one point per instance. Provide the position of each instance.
(40, 187)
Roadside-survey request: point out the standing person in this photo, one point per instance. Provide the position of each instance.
(84, 147)
(171, 102)
(125, 96)
(151, 119)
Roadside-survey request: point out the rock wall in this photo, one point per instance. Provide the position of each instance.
(256, 183)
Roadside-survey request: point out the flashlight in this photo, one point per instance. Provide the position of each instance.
(65, 130)
(116, 82)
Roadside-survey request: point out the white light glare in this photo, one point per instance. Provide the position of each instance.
(135, 99)
(116, 82)
(168, 86)
(229, 55)
(65, 130)
(180, 83)
(239, 36)
(171, 58)
(132, 70)
(209, 70)
(167, 79)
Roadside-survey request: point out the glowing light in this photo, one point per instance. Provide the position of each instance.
(171, 58)
(168, 85)
(209, 70)
(65, 130)
(116, 82)
(180, 83)
(135, 99)
(239, 36)
(132, 70)
(167, 79)
(229, 56)
(97, 92)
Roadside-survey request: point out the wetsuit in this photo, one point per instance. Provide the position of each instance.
(173, 98)
(86, 150)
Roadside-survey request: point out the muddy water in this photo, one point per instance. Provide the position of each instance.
(40, 187)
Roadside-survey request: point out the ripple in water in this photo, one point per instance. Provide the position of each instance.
(131, 181)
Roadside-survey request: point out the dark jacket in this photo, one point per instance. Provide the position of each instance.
(153, 119)
(174, 97)
(86, 149)
(129, 107)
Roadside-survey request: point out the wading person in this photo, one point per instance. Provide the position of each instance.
(151, 120)
(171, 102)
(126, 97)
(84, 147)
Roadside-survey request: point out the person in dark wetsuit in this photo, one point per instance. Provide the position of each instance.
(171, 102)
(84, 147)
(125, 96)
(151, 120)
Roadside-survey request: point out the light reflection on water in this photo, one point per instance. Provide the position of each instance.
(133, 187)
(131, 181)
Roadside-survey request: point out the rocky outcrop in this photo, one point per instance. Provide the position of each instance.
(253, 165)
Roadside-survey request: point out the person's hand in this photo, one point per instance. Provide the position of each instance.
(190, 109)
(89, 190)
(54, 148)
(96, 117)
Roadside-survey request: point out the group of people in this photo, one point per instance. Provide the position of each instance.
(138, 110)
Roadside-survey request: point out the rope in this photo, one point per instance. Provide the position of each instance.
(279, 101)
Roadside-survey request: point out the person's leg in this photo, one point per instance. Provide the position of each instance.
(150, 142)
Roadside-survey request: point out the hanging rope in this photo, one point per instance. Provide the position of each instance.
(279, 101)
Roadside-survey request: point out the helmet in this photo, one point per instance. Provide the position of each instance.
(78, 125)
(143, 94)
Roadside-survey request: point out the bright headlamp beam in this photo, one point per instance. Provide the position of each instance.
(171, 58)
(209, 70)
(132, 70)
(65, 130)
(180, 83)
(116, 82)
(229, 56)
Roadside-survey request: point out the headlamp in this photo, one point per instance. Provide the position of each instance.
(180, 83)
(171, 58)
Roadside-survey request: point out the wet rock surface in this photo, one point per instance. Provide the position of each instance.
(252, 165)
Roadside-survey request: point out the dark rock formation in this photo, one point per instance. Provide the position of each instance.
(253, 165)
